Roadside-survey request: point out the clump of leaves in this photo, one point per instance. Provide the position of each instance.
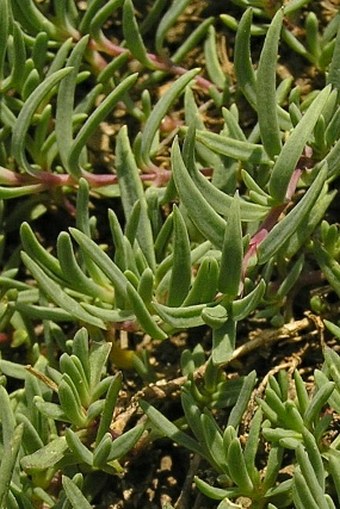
(42, 438)
(213, 226)
(295, 424)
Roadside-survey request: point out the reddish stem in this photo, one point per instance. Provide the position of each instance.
(104, 44)
(273, 216)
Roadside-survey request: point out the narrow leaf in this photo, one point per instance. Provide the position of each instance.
(242, 59)
(266, 88)
(287, 226)
(232, 253)
(94, 120)
(230, 147)
(224, 342)
(238, 468)
(169, 429)
(109, 407)
(181, 317)
(125, 442)
(57, 295)
(143, 315)
(65, 102)
(180, 278)
(110, 269)
(46, 457)
(23, 122)
(292, 149)
(206, 220)
(9, 458)
(160, 110)
(168, 20)
(74, 494)
(133, 38)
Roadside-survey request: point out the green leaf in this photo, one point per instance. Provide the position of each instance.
(125, 442)
(94, 120)
(36, 19)
(180, 278)
(46, 457)
(80, 348)
(110, 315)
(266, 103)
(129, 181)
(102, 451)
(309, 476)
(35, 250)
(232, 253)
(287, 226)
(4, 9)
(224, 342)
(25, 116)
(65, 102)
(50, 410)
(213, 492)
(159, 111)
(334, 468)
(7, 416)
(99, 15)
(238, 468)
(333, 364)
(183, 317)
(304, 231)
(218, 200)
(215, 71)
(318, 401)
(16, 192)
(31, 438)
(133, 38)
(88, 15)
(334, 73)
(71, 365)
(206, 220)
(214, 441)
(167, 428)
(145, 286)
(242, 59)
(252, 443)
(70, 402)
(329, 266)
(13, 370)
(204, 286)
(242, 308)
(231, 147)
(215, 316)
(314, 455)
(74, 275)
(109, 406)
(104, 262)
(79, 450)
(242, 401)
(192, 415)
(8, 462)
(292, 149)
(57, 295)
(99, 355)
(14, 80)
(274, 463)
(74, 494)
(143, 315)
(168, 20)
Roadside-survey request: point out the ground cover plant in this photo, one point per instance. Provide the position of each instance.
(169, 254)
